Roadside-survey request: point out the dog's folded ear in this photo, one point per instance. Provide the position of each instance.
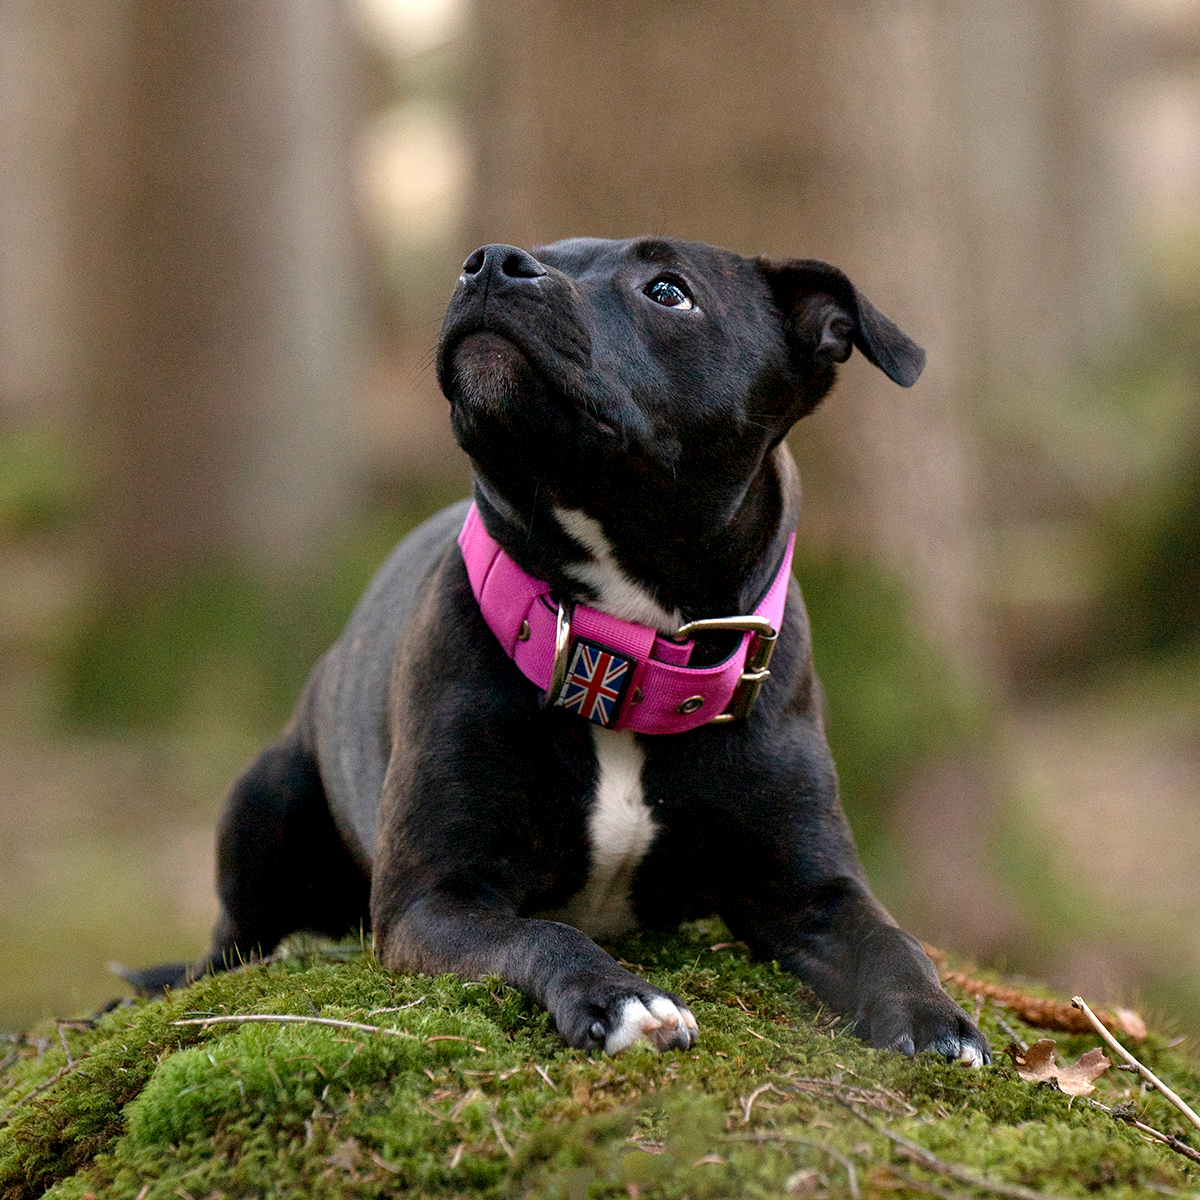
(825, 316)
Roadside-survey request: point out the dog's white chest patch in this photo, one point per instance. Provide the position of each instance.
(616, 593)
(620, 831)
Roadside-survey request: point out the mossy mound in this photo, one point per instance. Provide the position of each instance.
(477, 1096)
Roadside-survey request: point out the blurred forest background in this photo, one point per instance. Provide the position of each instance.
(227, 232)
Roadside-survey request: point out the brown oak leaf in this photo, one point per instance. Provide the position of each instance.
(1037, 1065)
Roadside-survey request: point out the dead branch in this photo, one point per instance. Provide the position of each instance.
(1143, 1071)
(545, 1075)
(1033, 1010)
(41, 1087)
(1124, 1111)
(292, 1019)
(914, 1153)
(836, 1155)
(748, 1103)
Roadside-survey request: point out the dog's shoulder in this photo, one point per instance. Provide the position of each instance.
(347, 697)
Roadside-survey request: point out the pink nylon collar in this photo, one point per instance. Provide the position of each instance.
(655, 691)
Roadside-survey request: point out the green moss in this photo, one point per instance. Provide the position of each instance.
(479, 1097)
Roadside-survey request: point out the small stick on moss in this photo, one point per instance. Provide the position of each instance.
(502, 1139)
(764, 1039)
(1017, 1040)
(398, 1008)
(1124, 1111)
(41, 1087)
(1143, 1071)
(387, 1166)
(62, 1037)
(930, 1161)
(923, 1185)
(836, 1155)
(292, 1019)
(544, 1074)
(748, 1103)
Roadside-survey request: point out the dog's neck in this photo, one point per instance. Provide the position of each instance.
(665, 567)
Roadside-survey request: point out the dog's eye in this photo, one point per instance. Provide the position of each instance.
(668, 293)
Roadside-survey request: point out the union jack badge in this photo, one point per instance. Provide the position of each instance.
(595, 683)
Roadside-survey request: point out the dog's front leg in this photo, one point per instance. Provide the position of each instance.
(594, 1001)
(839, 940)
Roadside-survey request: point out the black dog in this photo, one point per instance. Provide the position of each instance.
(625, 405)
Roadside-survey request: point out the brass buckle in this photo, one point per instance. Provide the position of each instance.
(758, 655)
(562, 647)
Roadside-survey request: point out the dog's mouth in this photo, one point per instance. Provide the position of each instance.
(491, 372)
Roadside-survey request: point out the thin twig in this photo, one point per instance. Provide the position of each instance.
(387, 1166)
(1167, 1139)
(1124, 1113)
(502, 1140)
(1017, 1040)
(925, 1158)
(880, 1098)
(923, 1185)
(41, 1087)
(748, 1103)
(398, 1008)
(837, 1155)
(62, 1037)
(291, 1019)
(543, 1073)
(764, 1039)
(1143, 1071)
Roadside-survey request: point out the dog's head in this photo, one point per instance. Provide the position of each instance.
(646, 382)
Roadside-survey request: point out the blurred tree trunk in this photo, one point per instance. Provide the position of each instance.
(37, 78)
(219, 267)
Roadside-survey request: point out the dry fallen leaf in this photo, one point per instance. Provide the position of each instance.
(1076, 1080)
(1037, 1065)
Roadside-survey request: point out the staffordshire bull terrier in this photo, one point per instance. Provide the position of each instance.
(585, 701)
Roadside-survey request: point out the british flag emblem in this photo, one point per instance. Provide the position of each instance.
(594, 683)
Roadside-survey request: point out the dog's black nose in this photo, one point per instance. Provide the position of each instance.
(509, 261)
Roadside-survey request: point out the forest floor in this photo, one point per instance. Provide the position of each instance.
(380, 1085)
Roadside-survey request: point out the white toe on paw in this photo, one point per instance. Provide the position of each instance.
(971, 1055)
(665, 1012)
(634, 1021)
(677, 1026)
(662, 1023)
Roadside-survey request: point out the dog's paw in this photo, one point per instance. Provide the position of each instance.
(615, 1020)
(928, 1020)
(665, 1022)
